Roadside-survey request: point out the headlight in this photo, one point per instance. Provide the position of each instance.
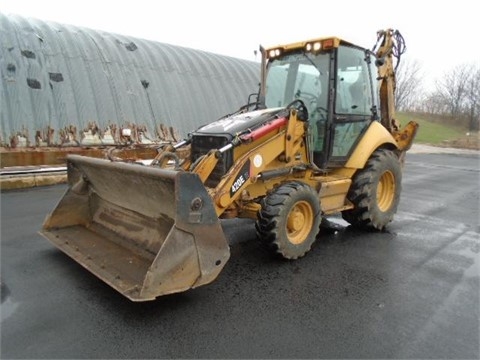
(313, 47)
(274, 53)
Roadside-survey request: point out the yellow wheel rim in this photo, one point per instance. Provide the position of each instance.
(386, 191)
(299, 222)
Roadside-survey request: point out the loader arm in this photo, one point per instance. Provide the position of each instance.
(281, 155)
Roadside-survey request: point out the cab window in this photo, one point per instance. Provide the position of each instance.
(353, 101)
(353, 84)
(298, 76)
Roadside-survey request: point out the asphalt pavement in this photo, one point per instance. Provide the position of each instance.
(411, 291)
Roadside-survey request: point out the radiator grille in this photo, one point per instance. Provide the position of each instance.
(201, 145)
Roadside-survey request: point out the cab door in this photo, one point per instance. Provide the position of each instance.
(354, 103)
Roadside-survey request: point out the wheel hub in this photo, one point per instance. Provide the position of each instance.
(386, 191)
(299, 222)
(296, 220)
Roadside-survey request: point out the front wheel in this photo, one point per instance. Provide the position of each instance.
(375, 191)
(289, 219)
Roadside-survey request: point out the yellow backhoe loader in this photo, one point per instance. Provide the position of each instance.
(320, 138)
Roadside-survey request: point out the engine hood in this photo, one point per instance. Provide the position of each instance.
(234, 124)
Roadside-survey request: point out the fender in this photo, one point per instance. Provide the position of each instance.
(375, 136)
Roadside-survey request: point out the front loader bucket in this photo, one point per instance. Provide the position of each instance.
(145, 231)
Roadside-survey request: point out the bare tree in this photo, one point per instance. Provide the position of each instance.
(456, 97)
(452, 88)
(432, 104)
(473, 99)
(408, 84)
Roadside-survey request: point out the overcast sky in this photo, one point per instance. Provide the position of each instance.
(439, 35)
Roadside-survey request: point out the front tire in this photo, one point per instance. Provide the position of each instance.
(375, 191)
(289, 220)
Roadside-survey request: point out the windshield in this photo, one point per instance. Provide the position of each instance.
(298, 76)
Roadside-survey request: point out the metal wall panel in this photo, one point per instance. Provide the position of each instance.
(66, 85)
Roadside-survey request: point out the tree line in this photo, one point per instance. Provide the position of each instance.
(455, 98)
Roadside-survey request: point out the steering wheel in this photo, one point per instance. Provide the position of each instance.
(300, 106)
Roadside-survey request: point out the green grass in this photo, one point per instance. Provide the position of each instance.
(431, 132)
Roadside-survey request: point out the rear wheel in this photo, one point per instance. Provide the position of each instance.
(375, 191)
(289, 220)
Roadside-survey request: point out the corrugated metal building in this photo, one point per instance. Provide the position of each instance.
(65, 85)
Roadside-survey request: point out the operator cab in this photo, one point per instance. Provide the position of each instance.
(335, 80)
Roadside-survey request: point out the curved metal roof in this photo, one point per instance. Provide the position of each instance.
(66, 85)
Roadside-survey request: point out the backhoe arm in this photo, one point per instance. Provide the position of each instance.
(386, 77)
(390, 43)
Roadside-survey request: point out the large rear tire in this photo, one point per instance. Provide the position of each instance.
(375, 191)
(289, 220)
